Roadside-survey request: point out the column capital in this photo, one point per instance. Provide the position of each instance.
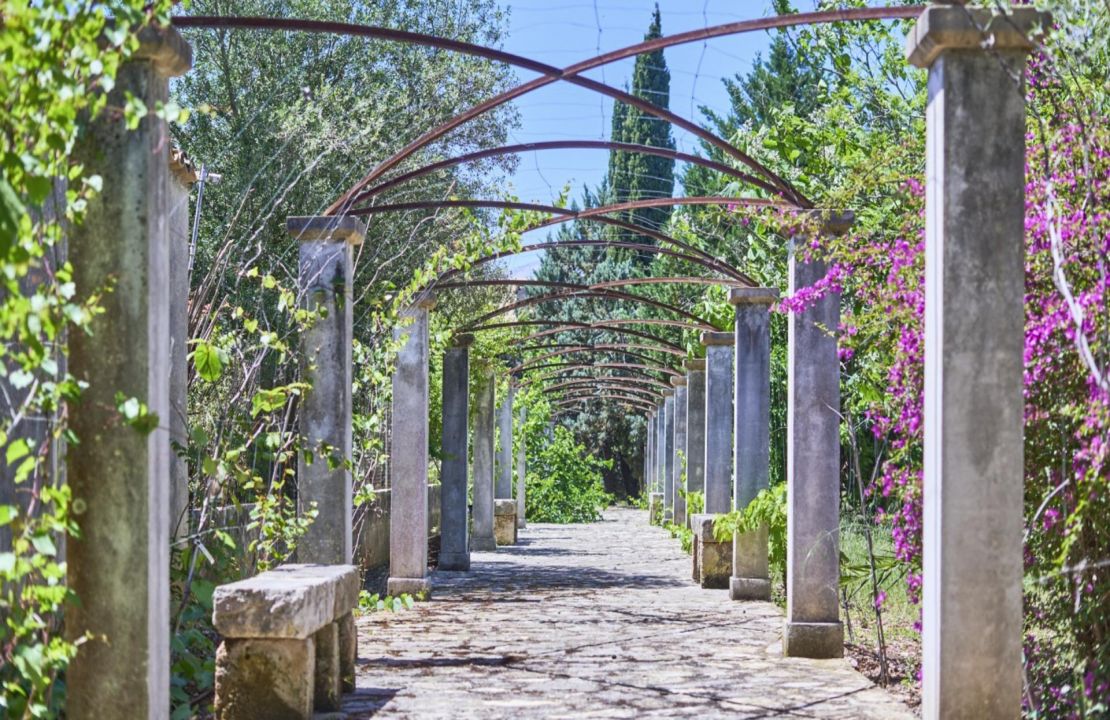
(715, 338)
(678, 381)
(753, 296)
(462, 340)
(667, 394)
(953, 27)
(694, 364)
(166, 50)
(425, 301)
(326, 228)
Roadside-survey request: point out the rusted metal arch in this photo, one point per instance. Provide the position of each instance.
(609, 285)
(549, 74)
(593, 385)
(533, 247)
(576, 401)
(583, 349)
(670, 347)
(635, 379)
(638, 393)
(571, 72)
(593, 214)
(561, 145)
(618, 347)
(577, 294)
(601, 325)
(631, 367)
(631, 384)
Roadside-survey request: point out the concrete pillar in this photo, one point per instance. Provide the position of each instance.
(521, 469)
(324, 286)
(668, 455)
(752, 435)
(813, 626)
(119, 565)
(454, 552)
(972, 594)
(482, 470)
(679, 469)
(503, 489)
(695, 425)
(649, 432)
(179, 234)
(718, 421)
(408, 457)
(659, 464)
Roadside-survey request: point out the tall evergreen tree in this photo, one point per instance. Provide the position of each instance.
(635, 176)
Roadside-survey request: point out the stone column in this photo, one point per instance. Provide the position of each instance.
(179, 235)
(119, 565)
(972, 595)
(408, 457)
(660, 463)
(324, 286)
(813, 626)
(482, 470)
(504, 485)
(752, 435)
(649, 431)
(454, 551)
(695, 425)
(679, 470)
(521, 468)
(718, 421)
(668, 456)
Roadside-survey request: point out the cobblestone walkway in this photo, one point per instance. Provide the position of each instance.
(600, 620)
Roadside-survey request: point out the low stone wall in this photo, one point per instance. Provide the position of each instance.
(372, 530)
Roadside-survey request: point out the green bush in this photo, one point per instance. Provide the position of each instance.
(565, 483)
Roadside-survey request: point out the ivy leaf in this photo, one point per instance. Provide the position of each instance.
(11, 211)
(209, 361)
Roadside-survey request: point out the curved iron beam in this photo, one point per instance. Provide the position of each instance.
(593, 214)
(585, 349)
(570, 74)
(576, 294)
(669, 280)
(618, 347)
(576, 388)
(636, 379)
(569, 327)
(534, 247)
(560, 145)
(576, 401)
(622, 381)
(615, 366)
(529, 282)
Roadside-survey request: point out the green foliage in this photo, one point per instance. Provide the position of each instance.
(564, 482)
(59, 59)
(767, 508)
(684, 534)
(695, 501)
(369, 603)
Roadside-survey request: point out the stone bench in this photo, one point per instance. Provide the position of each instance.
(289, 642)
(712, 560)
(504, 521)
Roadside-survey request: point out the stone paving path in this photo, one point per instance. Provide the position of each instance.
(599, 620)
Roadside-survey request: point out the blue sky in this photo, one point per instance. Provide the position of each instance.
(562, 33)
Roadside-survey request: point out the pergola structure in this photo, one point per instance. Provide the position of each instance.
(711, 410)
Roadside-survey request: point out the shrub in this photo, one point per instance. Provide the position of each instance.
(565, 483)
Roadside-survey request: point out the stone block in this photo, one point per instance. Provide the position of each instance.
(397, 586)
(813, 640)
(712, 560)
(293, 601)
(265, 678)
(655, 508)
(326, 684)
(348, 651)
(504, 521)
